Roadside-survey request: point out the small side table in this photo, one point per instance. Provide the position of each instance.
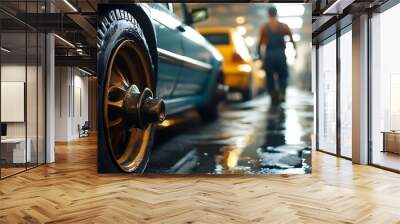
(391, 141)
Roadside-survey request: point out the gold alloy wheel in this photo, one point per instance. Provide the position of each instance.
(128, 102)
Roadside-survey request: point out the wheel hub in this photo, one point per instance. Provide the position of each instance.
(141, 109)
(129, 106)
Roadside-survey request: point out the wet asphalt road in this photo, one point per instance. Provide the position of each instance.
(248, 138)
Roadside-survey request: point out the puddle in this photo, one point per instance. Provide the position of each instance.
(248, 138)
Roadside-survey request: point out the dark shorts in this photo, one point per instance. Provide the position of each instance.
(276, 64)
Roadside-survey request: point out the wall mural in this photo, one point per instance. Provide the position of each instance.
(178, 94)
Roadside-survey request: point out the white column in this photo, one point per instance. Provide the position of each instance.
(314, 92)
(360, 90)
(50, 98)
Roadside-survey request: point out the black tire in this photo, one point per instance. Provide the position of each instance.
(123, 55)
(210, 111)
(247, 94)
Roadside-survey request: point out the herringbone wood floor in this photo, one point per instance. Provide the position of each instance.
(70, 191)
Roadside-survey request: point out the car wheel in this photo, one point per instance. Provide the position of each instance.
(247, 94)
(126, 83)
(211, 111)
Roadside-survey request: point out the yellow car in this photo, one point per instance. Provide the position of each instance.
(241, 73)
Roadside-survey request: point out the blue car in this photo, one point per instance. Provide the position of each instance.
(151, 64)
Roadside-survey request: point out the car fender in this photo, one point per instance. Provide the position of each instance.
(216, 71)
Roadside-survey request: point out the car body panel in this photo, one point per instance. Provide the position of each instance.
(192, 80)
(188, 63)
(170, 40)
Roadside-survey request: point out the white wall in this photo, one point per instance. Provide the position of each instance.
(62, 81)
(71, 94)
(12, 73)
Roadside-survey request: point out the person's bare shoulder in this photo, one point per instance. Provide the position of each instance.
(286, 28)
(262, 27)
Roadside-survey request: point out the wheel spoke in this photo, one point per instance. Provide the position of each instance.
(115, 122)
(131, 147)
(119, 89)
(115, 105)
(116, 93)
(118, 142)
(118, 78)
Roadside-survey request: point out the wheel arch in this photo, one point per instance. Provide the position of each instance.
(149, 32)
(144, 20)
(215, 74)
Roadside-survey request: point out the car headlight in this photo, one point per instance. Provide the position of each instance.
(244, 68)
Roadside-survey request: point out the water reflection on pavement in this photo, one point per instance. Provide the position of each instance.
(248, 138)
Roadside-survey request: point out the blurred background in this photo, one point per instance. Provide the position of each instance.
(247, 18)
(249, 136)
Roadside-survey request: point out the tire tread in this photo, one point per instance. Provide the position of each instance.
(112, 17)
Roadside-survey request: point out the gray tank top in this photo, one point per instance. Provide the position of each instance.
(276, 42)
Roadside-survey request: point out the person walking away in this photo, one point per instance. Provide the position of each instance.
(272, 40)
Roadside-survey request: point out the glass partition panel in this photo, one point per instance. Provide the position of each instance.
(385, 89)
(41, 98)
(22, 87)
(313, 89)
(32, 84)
(32, 98)
(15, 149)
(327, 96)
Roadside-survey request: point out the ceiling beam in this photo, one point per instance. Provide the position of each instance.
(78, 61)
(86, 27)
(337, 6)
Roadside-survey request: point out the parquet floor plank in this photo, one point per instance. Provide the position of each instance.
(71, 191)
